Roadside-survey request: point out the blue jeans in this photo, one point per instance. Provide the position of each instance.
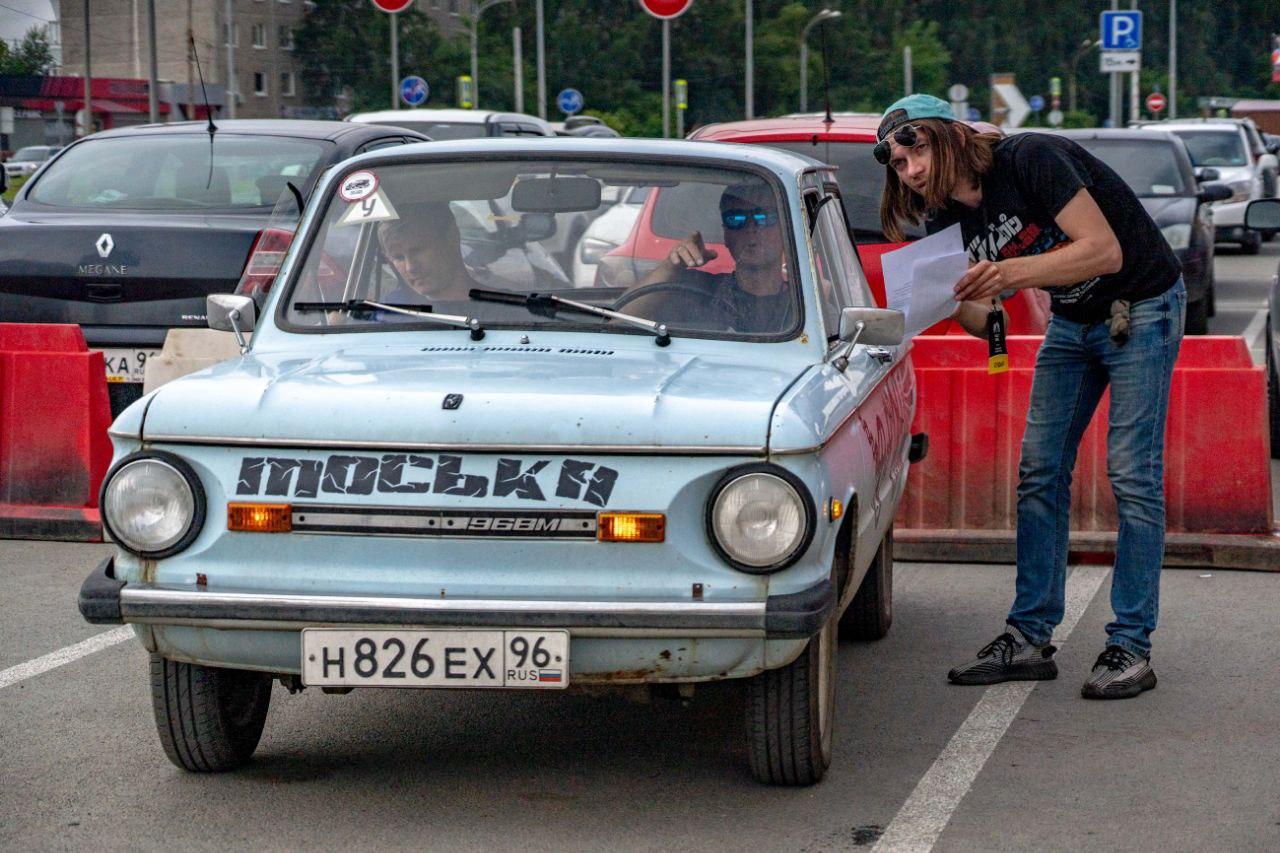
(1075, 365)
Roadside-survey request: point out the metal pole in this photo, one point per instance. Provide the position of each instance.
(666, 78)
(88, 76)
(191, 67)
(750, 94)
(395, 60)
(153, 81)
(1134, 83)
(1114, 83)
(1173, 58)
(804, 76)
(517, 64)
(542, 67)
(907, 86)
(233, 88)
(679, 122)
(475, 63)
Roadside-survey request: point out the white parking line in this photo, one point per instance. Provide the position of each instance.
(1252, 333)
(44, 663)
(927, 811)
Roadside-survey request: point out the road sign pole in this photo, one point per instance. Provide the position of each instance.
(1134, 100)
(542, 66)
(666, 79)
(749, 95)
(517, 63)
(153, 80)
(395, 61)
(682, 103)
(1114, 90)
(1173, 58)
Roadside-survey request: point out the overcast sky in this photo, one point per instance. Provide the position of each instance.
(18, 16)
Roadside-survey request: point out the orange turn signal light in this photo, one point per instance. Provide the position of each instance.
(631, 527)
(260, 518)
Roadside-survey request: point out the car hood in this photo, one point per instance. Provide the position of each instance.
(511, 396)
(1169, 210)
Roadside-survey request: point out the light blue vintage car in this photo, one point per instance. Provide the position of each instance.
(439, 464)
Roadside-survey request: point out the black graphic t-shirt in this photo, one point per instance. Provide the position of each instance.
(1033, 177)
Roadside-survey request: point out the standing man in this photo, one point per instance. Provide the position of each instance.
(1038, 211)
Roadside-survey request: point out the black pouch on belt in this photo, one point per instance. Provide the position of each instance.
(1119, 322)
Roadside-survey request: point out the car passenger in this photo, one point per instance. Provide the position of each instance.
(425, 248)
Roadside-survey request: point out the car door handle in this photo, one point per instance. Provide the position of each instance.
(880, 354)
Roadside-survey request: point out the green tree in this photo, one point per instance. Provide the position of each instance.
(32, 55)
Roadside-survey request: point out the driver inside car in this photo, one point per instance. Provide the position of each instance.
(755, 297)
(425, 248)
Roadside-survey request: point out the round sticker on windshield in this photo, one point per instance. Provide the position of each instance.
(358, 185)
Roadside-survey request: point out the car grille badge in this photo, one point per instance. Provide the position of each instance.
(452, 401)
(104, 246)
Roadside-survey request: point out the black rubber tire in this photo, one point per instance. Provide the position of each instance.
(870, 614)
(790, 719)
(1267, 236)
(209, 719)
(1198, 317)
(1273, 394)
(1251, 244)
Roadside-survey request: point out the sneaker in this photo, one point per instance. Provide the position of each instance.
(1119, 674)
(1008, 657)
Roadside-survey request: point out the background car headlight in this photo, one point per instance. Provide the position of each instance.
(761, 519)
(153, 504)
(1178, 235)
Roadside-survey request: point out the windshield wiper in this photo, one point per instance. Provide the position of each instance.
(547, 304)
(353, 305)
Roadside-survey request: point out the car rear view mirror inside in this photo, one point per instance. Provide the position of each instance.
(882, 327)
(555, 195)
(1263, 214)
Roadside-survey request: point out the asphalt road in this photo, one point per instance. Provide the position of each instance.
(1241, 283)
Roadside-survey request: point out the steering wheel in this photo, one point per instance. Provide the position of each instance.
(699, 300)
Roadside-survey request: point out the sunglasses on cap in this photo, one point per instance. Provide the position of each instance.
(906, 136)
(736, 220)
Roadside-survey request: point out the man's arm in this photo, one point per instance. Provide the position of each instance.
(972, 317)
(1093, 251)
(689, 253)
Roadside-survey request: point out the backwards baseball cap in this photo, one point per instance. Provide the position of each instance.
(905, 110)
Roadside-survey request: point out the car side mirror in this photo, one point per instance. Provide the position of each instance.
(231, 312)
(1204, 174)
(1214, 192)
(1263, 214)
(879, 327)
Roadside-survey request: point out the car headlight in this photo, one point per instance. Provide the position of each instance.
(152, 504)
(1241, 190)
(760, 518)
(1178, 235)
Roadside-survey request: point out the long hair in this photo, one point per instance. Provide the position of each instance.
(959, 153)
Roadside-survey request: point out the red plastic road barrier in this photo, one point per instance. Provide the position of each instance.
(54, 449)
(1217, 471)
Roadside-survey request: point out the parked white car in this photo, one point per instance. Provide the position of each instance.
(606, 234)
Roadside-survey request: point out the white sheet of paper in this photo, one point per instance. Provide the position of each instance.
(933, 294)
(900, 269)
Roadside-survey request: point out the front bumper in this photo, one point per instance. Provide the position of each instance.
(104, 600)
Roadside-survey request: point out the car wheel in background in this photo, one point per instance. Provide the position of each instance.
(870, 614)
(1251, 244)
(790, 713)
(1198, 317)
(1273, 395)
(1267, 236)
(209, 719)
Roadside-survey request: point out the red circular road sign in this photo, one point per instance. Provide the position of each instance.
(666, 9)
(1155, 102)
(393, 5)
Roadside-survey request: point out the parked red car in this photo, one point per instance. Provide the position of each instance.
(846, 142)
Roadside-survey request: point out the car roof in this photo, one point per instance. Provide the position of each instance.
(450, 116)
(1142, 135)
(1196, 124)
(296, 128)
(853, 126)
(782, 163)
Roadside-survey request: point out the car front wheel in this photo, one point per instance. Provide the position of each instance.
(1198, 317)
(870, 614)
(1251, 244)
(790, 712)
(209, 719)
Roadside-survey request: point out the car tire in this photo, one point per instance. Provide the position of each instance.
(1251, 244)
(1198, 317)
(209, 719)
(1273, 394)
(870, 614)
(790, 713)
(1267, 236)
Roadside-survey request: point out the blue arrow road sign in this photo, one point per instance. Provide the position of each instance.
(1036, 103)
(1122, 30)
(569, 101)
(414, 90)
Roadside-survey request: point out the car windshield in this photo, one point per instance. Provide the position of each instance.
(178, 172)
(427, 235)
(1150, 168)
(861, 181)
(439, 130)
(1214, 147)
(32, 154)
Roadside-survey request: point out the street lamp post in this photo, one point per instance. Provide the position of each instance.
(1071, 80)
(824, 15)
(475, 58)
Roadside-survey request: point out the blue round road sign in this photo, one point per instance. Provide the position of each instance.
(569, 101)
(414, 90)
(1036, 103)
(973, 114)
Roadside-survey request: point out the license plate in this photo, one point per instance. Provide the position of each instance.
(127, 365)
(346, 658)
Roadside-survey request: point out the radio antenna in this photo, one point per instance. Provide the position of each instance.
(826, 76)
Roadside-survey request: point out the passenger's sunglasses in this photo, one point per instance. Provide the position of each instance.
(906, 136)
(736, 220)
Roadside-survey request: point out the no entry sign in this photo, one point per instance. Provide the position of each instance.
(666, 9)
(393, 5)
(1155, 102)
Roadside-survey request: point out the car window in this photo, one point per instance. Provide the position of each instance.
(438, 130)
(177, 172)
(386, 142)
(1150, 168)
(841, 283)
(1214, 147)
(428, 234)
(32, 154)
(861, 181)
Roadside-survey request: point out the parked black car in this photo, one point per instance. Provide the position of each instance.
(126, 232)
(1260, 214)
(1157, 168)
